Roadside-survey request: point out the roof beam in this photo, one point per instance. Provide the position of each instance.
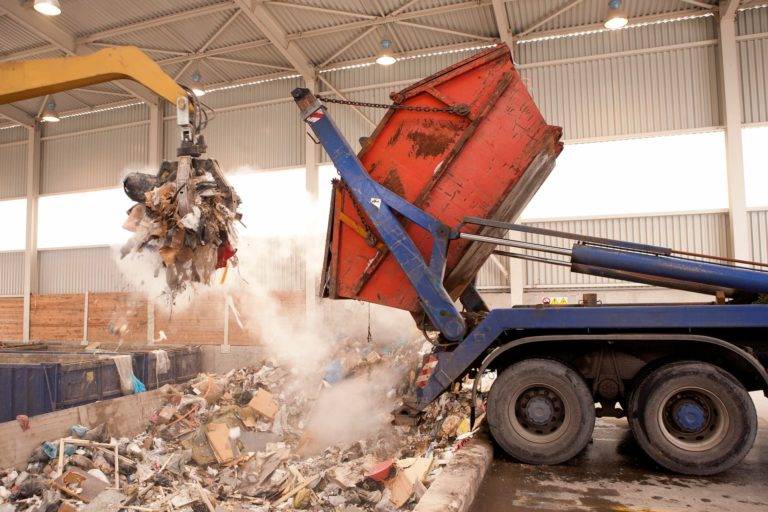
(32, 52)
(268, 25)
(403, 7)
(206, 44)
(502, 23)
(142, 48)
(728, 8)
(389, 18)
(249, 63)
(217, 51)
(158, 21)
(446, 31)
(699, 3)
(348, 45)
(106, 93)
(550, 16)
(343, 97)
(323, 10)
(41, 26)
(599, 27)
(17, 115)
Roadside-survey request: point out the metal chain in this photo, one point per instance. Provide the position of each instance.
(358, 209)
(459, 110)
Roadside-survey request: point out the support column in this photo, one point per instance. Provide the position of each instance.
(311, 184)
(311, 154)
(516, 274)
(156, 135)
(502, 24)
(30, 247)
(730, 95)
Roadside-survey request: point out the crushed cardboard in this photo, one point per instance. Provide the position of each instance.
(186, 213)
(235, 442)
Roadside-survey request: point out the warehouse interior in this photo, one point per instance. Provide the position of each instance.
(664, 120)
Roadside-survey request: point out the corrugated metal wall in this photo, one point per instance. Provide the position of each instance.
(11, 273)
(93, 159)
(13, 134)
(698, 232)
(13, 169)
(753, 49)
(491, 276)
(628, 95)
(254, 126)
(663, 79)
(642, 38)
(78, 270)
(93, 268)
(264, 136)
(656, 79)
(758, 220)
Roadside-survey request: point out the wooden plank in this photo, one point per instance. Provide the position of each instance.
(116, 310)
(11, 318)
(200, 321)
(288, 305)
(57, 317)
(124, 416)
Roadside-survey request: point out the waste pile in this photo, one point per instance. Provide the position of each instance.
(186, 213)
(243, 441)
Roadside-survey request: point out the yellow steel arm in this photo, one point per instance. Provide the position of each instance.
(20, 80)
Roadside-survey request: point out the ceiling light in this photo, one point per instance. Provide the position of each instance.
(385, 56)
(48, 7)
(49, 114)
(617, 15)
(198, 84)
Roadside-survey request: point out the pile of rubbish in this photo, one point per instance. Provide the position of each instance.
(244, 441)
(186, 213)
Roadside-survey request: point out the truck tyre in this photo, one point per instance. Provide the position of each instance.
(541, 412)
(693, 418)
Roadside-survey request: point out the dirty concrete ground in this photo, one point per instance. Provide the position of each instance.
(613, 474)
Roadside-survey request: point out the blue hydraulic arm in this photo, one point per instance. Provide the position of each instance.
(380, 204)
(591, 255)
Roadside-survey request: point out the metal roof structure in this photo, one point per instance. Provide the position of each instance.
(235, 41)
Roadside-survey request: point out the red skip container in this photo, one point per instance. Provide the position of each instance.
(487, 164)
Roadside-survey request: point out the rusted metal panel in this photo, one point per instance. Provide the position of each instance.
(487, 164)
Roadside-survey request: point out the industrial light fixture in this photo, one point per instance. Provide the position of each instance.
(617, 15)
(197, 84)
(48, 7)
(49, 114)
(385, 56)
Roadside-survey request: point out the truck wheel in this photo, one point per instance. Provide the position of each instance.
(693, 418)
(541, 412)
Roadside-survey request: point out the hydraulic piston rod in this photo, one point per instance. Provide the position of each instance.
(637, 263)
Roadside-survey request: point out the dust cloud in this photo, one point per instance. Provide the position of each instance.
(279, 254)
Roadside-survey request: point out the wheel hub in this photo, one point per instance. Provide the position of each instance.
(690, 416)
(539, 410)
(692, 419)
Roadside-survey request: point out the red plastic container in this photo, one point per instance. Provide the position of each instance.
(487, 164)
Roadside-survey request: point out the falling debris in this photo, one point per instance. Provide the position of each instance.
(248, 441)
(186, 213)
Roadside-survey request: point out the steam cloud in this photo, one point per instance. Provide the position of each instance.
(286, 232)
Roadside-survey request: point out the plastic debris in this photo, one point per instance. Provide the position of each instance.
(244, 442)
(186, 214)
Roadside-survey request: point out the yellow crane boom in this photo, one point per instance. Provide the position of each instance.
(24, 79)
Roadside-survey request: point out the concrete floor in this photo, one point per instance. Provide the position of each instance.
(613, 474)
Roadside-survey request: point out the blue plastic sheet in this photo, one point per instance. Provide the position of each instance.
(52, 449)
(138, 386)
